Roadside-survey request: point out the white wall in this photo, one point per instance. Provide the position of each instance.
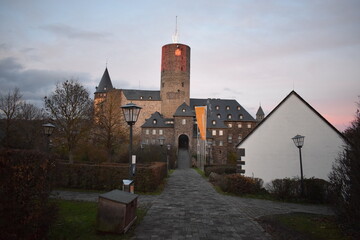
(270, 152)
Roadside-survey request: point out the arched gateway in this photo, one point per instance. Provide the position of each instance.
(183, 152)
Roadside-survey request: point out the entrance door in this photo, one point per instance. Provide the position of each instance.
(183, 154)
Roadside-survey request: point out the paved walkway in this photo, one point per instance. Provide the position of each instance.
(190, 208)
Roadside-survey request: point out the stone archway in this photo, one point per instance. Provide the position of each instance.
(183, 152)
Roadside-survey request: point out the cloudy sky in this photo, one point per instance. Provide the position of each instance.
(252, 51)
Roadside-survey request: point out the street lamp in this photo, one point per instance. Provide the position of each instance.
(161, 141)
(299, 142)
(167, 156)
(131, 113)
(48, 130)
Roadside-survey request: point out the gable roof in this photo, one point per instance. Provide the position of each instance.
(157, 121)
(184, 110)
(279, 105)
(221, 110)
(146, 95)
(105, 83)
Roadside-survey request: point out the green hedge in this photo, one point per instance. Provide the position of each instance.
(25, 212)
(315, 190)
(238, 184)
(219, 169)
(109, 176)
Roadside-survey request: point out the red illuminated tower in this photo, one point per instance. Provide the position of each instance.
(175, 78)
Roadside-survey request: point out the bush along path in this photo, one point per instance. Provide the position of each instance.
(190, 208)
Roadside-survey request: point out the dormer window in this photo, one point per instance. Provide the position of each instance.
(219, 116)
(229, 116)
(227, 108)
(217, 107)
(240, 116)
(238, 108)
(150, 97)
(183, 110)
(214, 122)
(141, 97)
(154, 121)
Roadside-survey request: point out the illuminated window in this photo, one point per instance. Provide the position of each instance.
(214, 132)
(221, 132)
(177, 52)
(239, 125)
(249, 125)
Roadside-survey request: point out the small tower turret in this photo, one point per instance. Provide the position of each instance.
(260, 114)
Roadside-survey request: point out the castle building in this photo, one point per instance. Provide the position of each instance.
(169, 113)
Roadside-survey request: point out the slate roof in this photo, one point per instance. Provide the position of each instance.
(105, 83)
(146, 95)
(260, 112)
(220, 110)
(157, 121)
(184, 110)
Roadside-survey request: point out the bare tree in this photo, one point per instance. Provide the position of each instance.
(28, 111)
(107, 119)
(71, 108)
(9, 106)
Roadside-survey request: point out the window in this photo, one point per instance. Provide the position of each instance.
(183, 121)
(238, 108)
(221, 132)
(154, 121)
(147, 131)
(182, 84)
(161, 132)
(227, 108)
(217, 107)
(239, 125)
(150, 97)
(214, 122)
(219, 116)
(229, 116)
(230, 138)
(183, 110)
(221, 143)
(230, 125)
(214, 132)
(239, 138)
(240, 116)
(141, 97)
(249, 125)
(154, 132)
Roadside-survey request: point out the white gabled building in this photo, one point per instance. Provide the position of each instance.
(270, 152)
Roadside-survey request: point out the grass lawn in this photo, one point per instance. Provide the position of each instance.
(302, 226)
(77, 220)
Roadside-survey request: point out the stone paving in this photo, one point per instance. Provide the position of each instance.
(190, 208)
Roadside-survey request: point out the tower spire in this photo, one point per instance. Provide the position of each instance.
(175, 37)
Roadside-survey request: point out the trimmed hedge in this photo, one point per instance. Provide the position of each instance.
(25, 212)
(219, 169)
(315, 190)
(109, 176)
(238, 184)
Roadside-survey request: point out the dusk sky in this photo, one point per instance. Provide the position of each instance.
(253, 51)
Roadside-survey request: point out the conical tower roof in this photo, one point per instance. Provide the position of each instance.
(105, 83)
(260, 112)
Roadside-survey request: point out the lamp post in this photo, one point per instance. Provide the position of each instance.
(167, 157)
(299, 142)
(131, 113)
(48, 130)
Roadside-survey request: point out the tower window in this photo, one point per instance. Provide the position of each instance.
(177, 52)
